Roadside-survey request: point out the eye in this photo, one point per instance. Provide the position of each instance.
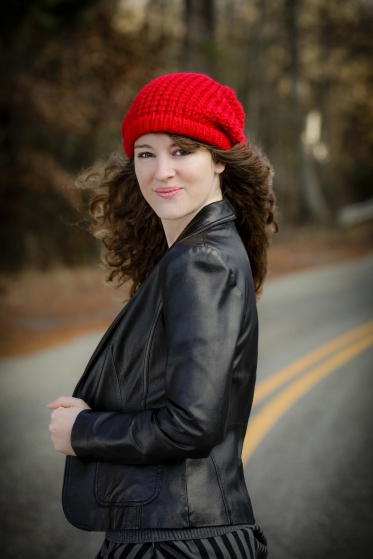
(145, 154)
(181, 152)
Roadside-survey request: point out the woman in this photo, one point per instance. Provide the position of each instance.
(154, 431)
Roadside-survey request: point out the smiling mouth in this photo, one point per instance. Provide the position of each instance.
(168, 191)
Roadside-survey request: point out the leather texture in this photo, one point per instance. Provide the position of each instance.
(171, 387)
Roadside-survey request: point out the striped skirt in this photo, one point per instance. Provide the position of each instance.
(245, 543)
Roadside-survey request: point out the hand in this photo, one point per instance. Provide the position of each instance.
(66, 410)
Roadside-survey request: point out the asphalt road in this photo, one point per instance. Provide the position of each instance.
(311, 476)
(310, 473)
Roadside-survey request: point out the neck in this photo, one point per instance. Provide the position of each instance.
(173, 227)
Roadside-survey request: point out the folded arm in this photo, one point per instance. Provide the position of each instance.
(203, 311)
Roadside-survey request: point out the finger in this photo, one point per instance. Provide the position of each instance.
(62, 401)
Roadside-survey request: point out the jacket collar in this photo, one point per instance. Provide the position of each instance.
(208, 216)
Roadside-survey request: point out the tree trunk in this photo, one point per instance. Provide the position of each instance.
(296, 206)
(307, 198)
(255, 78)
(199, 42)
(316, 207)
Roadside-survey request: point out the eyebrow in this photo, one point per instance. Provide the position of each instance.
(150, 147)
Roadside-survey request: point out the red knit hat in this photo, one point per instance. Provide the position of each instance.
(188, 104)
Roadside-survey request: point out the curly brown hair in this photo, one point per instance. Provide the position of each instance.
(132, 233)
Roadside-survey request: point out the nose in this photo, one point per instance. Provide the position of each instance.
(164, 169)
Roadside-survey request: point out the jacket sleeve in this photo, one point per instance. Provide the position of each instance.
(203, 311)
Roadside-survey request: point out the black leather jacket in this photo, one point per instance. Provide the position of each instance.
(171, 386)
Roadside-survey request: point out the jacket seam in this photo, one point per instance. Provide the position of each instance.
(119, 391)
(101, 343)
(186, 490)
(147, 354)
(227, 512)
(227, 266)
(233, 273)
(216, 251)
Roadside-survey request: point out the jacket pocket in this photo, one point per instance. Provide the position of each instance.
(127, 485)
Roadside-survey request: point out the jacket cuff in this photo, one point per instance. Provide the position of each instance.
(79, 440)
(103, 436)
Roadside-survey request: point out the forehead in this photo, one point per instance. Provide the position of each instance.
(154, 139)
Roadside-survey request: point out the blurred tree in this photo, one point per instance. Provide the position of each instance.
(342, 87)
(295, 201)
(305, 196)
(288, 59)
(69, 75)
(199, 45)
(70, 69)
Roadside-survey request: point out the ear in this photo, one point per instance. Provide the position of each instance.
(219, 167)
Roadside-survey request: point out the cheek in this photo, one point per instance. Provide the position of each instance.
(138, 172)
(143, 176)
(199, 177)
(144, 182)
(199, 169)
(144, 191)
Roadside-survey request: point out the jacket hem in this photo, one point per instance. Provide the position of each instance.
(163, 534)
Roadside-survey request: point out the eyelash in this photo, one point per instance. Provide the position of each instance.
(183, 152)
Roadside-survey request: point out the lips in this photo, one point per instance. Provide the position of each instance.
(168, 192)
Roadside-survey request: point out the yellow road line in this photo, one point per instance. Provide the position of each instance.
(260, 425)
(283, 375)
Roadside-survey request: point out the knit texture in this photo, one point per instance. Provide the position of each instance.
(188, 104)
(164, 534)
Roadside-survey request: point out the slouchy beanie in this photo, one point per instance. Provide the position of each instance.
(188, 104)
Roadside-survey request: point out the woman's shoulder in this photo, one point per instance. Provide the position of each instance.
(212, 252)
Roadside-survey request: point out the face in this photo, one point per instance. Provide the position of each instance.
(176, 183)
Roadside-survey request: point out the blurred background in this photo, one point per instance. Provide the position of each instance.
(302, 70)
(69, 71)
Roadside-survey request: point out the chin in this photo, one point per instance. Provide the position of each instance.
(170, 214)
(171, 211)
